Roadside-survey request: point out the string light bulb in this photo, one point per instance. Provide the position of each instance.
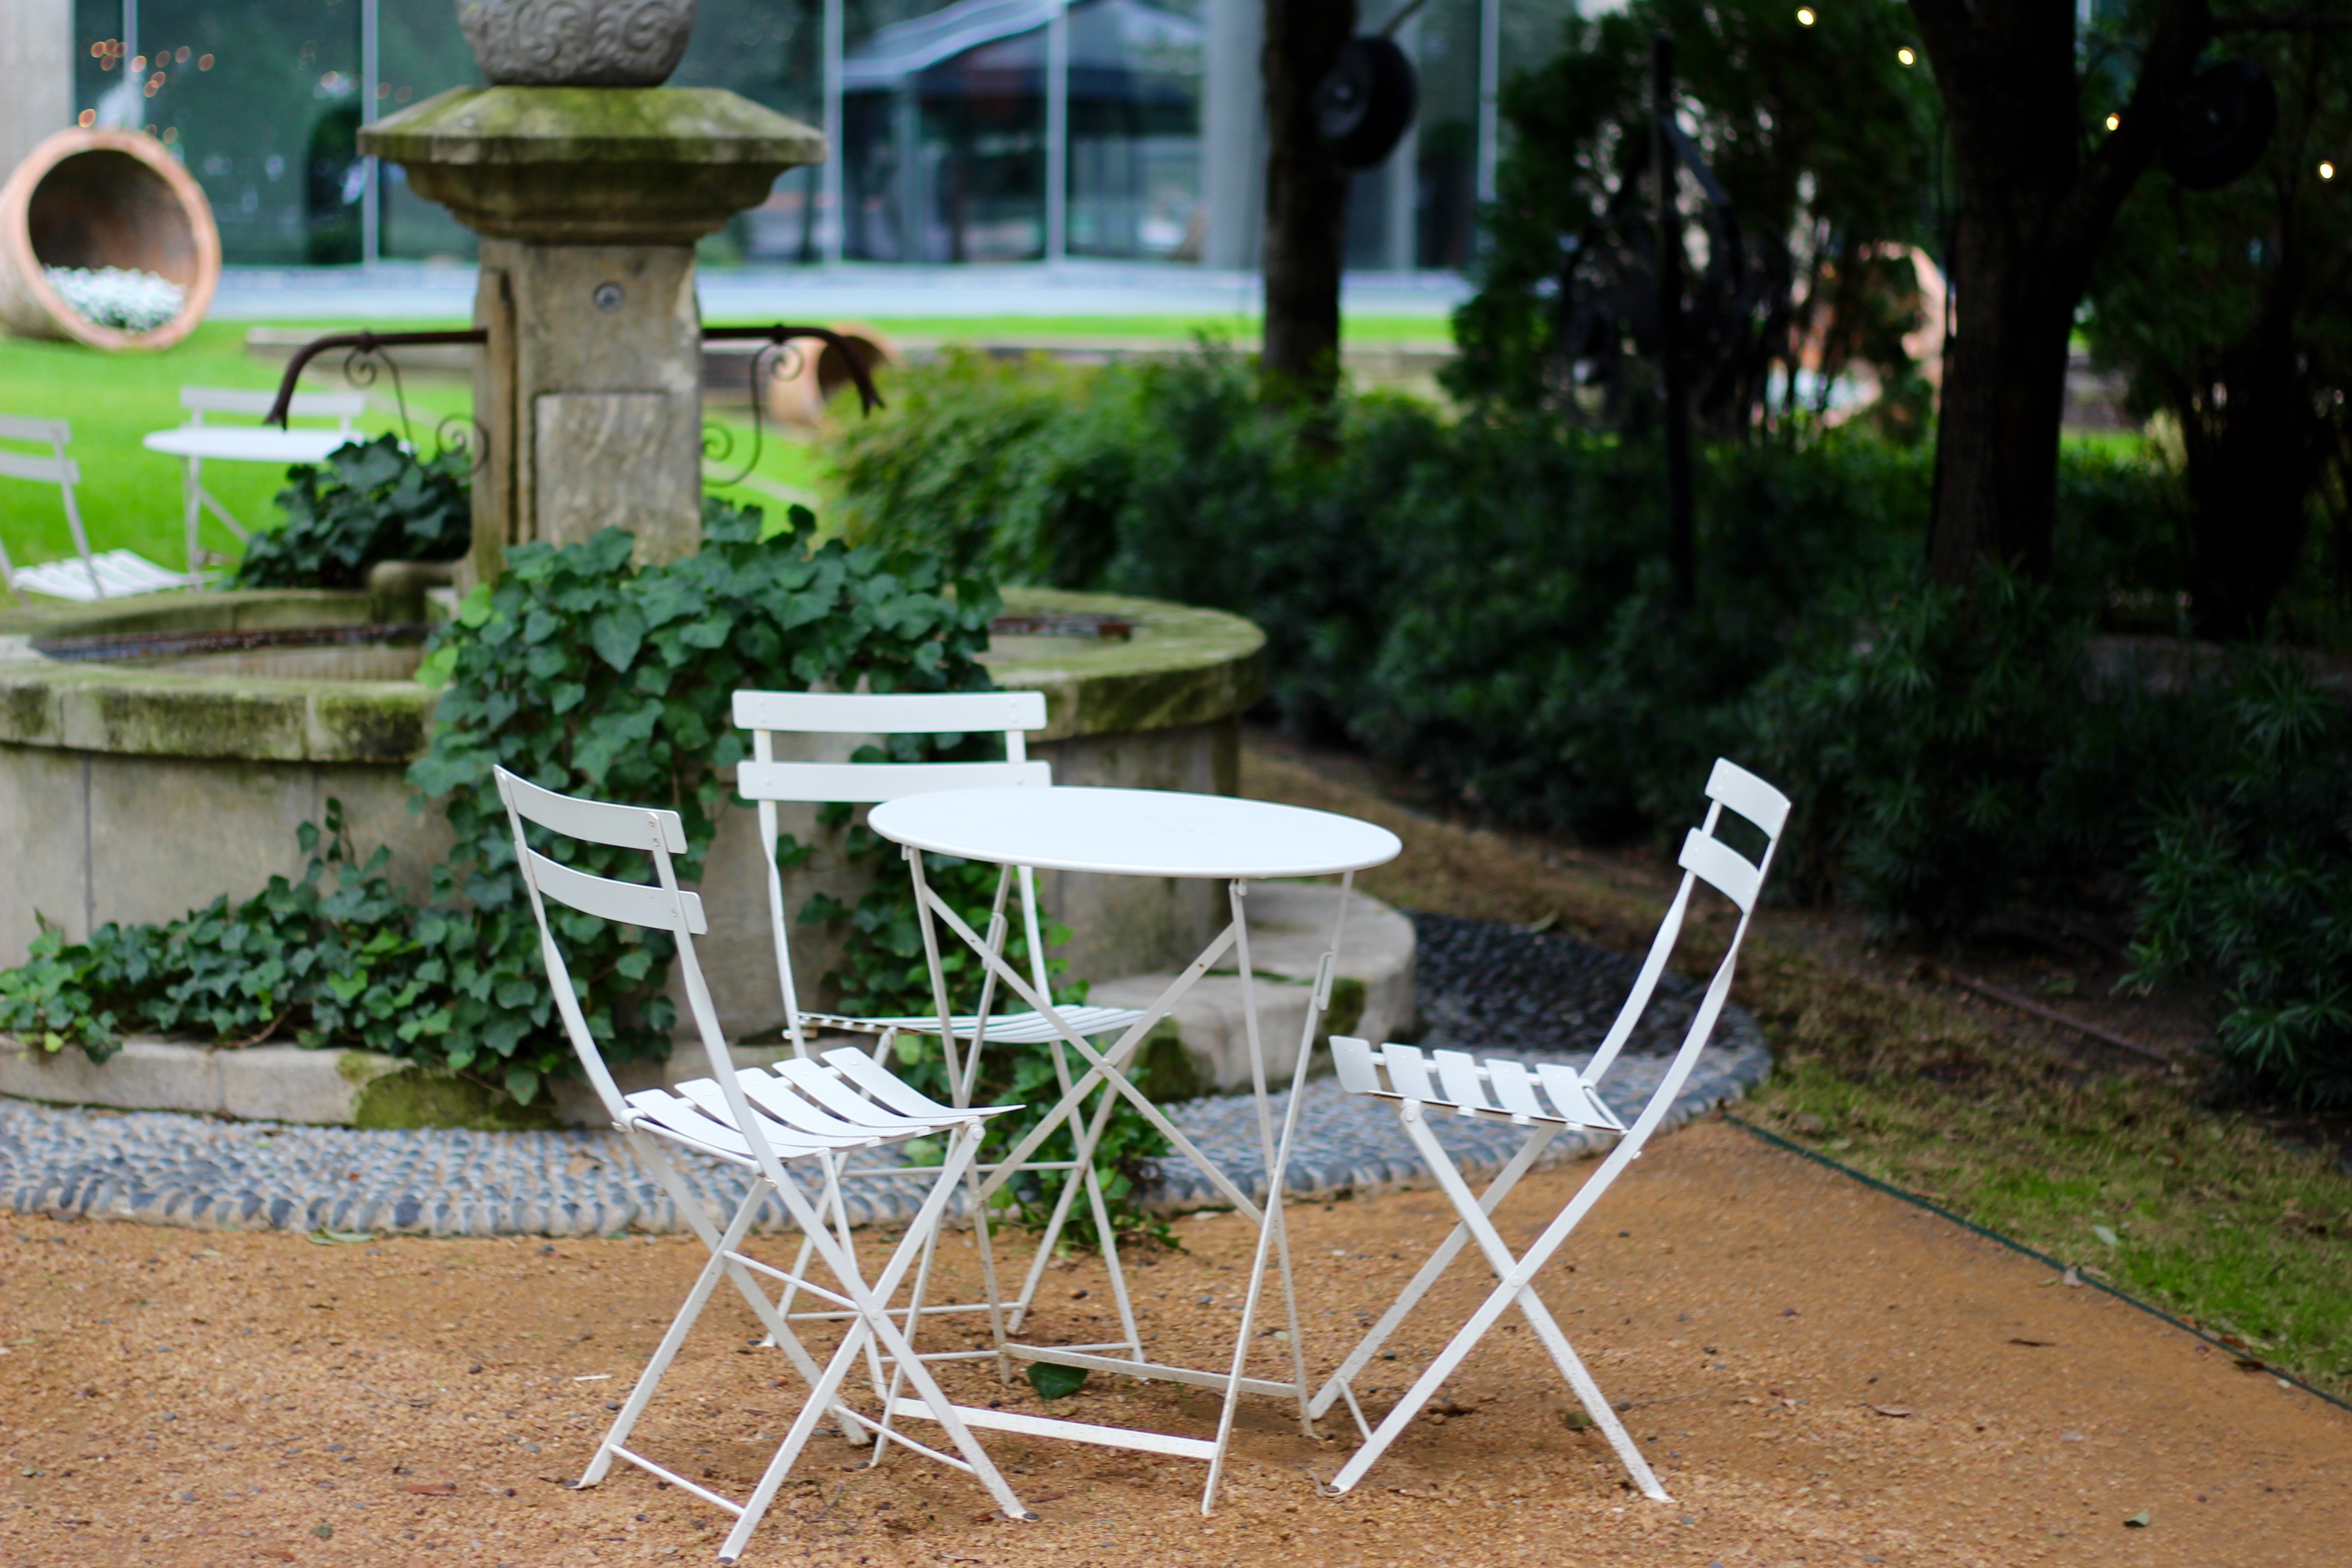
(1804, 16)
(2114, 120)
(1906, 56)
(2327, 170)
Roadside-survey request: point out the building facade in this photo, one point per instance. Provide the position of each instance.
(982, 131)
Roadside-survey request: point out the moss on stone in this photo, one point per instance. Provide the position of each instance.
(424, 1097)
(488, 125)
(1166, 1072)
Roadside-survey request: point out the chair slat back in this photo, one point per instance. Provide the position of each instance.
(1748, 795)
(200, 401)
(890, 713)
(1721, 867)
(630, 903)
(870, 783)
(618, 827)
(768, 782)
(50, 470)
(46, 432)
(1705, 858)
(662, 905)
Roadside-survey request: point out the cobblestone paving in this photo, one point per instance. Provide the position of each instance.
(1485, 986)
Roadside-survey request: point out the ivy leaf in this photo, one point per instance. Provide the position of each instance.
(616, 635)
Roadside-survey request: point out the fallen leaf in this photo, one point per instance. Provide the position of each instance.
(432, 1489)
(344, 1237)
(2070, 1278)
(2107, 1236)
(2037, 1344)
(325, 1532)
(1416, 1491)
(1897, 1411)
(2138, 1521)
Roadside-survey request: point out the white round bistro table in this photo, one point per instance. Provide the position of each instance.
(191, 444)
(1145, 833)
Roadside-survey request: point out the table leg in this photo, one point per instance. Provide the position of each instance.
(192, 515)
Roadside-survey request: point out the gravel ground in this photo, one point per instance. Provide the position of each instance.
(1485, 986)
(1819, 1373)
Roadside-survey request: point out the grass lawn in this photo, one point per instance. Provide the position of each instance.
(131, 497)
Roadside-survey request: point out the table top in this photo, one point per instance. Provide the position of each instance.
(1134, 832)
(248, 443)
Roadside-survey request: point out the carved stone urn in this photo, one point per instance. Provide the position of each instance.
(576, 43)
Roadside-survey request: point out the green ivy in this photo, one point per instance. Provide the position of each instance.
(368, 501)
(337, 965)
(585, 677)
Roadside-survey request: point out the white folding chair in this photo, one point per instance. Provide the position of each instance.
(1546, 1098)
(768, 782)
(759, 1121)
(343, 407)
(110, 574)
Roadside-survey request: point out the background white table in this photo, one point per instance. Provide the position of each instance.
(1149, 833)
(191, 444)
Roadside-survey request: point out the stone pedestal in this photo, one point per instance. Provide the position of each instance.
(589, 201)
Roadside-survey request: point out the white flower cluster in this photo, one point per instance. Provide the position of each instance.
(117, 296)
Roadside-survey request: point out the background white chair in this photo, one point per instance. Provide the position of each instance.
(768, 782)
(113, 574)
(756, 1120)
(1547, 1099)
(343, 407)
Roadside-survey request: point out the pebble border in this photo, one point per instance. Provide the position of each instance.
(1485, 986)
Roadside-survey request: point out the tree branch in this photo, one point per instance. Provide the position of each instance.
(2182, 29)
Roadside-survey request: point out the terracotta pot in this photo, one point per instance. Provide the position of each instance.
(103, 198)
(818, 373)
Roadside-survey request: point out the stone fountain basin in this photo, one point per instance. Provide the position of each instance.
(137, 785)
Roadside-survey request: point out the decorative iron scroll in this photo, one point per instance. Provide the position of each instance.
(779, 357)
(366, 361)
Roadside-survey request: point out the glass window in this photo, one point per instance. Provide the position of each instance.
(419, 53)
(260, 102)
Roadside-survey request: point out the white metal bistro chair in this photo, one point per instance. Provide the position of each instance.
(768, 782)
(1546, 1098)
(343, 407)
(759, 1121)
(109, 575)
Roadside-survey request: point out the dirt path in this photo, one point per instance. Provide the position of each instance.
(236, 1402)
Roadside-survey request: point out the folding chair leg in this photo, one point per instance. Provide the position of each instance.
(1504, 1295)
(679, 1326)
(1343, 1381)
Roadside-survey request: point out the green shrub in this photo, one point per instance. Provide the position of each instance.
(368, 501)
(2249, 884)
(1476, 597)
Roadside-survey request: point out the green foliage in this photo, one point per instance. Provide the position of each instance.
(2228, 310)
(343, 965)
(583, 675)
(1475, 597)
(587, 677)
(368, 501)
(1817, 133)
(1951, 755)
(2248, 882)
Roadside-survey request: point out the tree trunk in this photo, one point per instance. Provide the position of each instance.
(2032, 214)
(2256, 446)
(1306, 199)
